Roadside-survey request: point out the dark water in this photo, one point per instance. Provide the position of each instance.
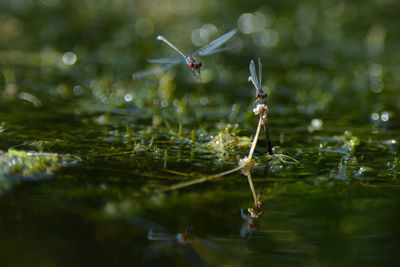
(86, 148)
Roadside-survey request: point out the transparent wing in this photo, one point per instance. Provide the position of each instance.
(253, 76)
(259, 71)
(217, 50)
(161, 236)
(208, 48)
(156, 70)
(169, 60)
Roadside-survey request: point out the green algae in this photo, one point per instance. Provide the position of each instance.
(19, 165)
(84, 146)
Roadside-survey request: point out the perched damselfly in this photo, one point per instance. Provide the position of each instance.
(261, 107)
(260, 94)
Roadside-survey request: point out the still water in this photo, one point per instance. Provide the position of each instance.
(90, 158)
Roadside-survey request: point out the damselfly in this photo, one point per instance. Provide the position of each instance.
(191, 60)
(260, 103)
(260, 94)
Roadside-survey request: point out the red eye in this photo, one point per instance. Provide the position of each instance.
(199, 64)
(191, 65)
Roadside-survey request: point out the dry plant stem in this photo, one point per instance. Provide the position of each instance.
(211, 177)
(253, 145)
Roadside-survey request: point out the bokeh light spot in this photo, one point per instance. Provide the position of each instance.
(246, 23)
(376, 85)
(69, 58)
(164, 103)
(316, 124)
(375, 70)
(385, 116)
(78, 90)
(200, 37)
(210, 28)
(128, 97)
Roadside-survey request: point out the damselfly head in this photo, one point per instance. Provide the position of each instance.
(261, 95)
(195, 66)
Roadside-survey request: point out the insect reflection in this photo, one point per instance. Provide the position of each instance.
(253, 214)
(194, 249)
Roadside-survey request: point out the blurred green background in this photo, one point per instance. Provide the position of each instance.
(84, 145)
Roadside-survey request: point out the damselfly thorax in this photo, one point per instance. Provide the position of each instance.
(195, 66)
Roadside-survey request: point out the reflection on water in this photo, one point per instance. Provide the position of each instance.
(331, 72)
(251, 223)
(253, 214)
(196, 250)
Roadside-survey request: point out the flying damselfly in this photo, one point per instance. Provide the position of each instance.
(191, 59)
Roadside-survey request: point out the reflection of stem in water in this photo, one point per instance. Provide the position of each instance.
(247, 172)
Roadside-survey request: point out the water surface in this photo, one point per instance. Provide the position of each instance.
(85, 148)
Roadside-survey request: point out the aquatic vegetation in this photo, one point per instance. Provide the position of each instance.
(94, 159)
(19, 165)
(228, 145)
